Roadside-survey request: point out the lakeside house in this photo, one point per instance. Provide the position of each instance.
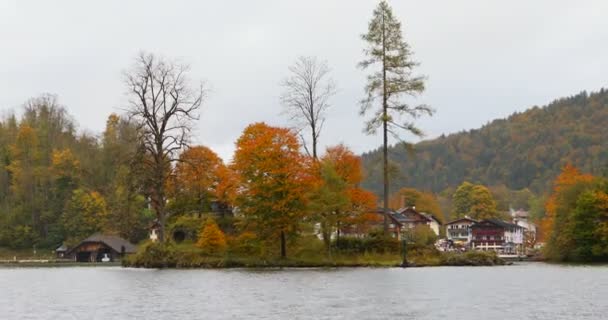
(505, 237)
(497, 235)
(97, 248)
(372, 220)
(409, 218)
(398, 222)
(459, 231)
(522, 218)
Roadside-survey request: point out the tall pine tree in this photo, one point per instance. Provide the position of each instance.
(391, 80)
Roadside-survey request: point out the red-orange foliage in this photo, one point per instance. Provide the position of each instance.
(348, 166)
(346, 163)
(196, 172)
(225, 190)
(201, 174)
(274, 180)
(569, 177)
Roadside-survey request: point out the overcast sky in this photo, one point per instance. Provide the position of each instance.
(483, 59)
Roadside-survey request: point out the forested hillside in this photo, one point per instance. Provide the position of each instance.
(526, 150)
(57, 184)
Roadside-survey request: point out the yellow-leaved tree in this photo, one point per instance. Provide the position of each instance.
(211, 239)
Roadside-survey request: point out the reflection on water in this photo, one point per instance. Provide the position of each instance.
(524, 291)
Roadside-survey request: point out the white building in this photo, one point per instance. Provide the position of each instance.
(497, 235)
(459, 231)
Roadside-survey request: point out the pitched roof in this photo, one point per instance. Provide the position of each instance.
(409, 214)
(461, 219)
(112, 241)
(499, 223)
(430, 217)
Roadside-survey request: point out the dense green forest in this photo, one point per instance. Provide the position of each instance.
(57, 184)
(526, 150)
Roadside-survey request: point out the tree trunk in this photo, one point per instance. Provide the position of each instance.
(163, 220)
(283, 245)
(314, 144)
(158, 198)
(326, 232)
(384, 129)
(337, 231)
(160, 215)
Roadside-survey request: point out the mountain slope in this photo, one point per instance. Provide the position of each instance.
(526, 150)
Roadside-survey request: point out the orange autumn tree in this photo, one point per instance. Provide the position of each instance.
(199, 177)
(274, 180)
(225, 190)
(346, 202)
(211, 239)
(566, 189)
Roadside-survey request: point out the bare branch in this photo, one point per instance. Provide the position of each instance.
(163, 104)
(306, 94)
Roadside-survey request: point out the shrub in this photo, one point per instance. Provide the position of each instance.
(153, 255)
(422, 235)
(245, 243)
(423, 255)
(169, 255)
(472, 258)
(375, 244)
(186, 224)
(211, 239)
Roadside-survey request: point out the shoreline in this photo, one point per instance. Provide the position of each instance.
(250, 267)
(54, 263)
(232, 264)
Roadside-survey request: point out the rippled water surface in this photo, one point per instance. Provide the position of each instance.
(524, 291)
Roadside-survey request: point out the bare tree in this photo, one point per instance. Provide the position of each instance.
(306, 95)
(164, 104)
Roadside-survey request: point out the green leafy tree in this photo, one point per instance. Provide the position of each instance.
(328, 200)
(537, 208)
(388, 84)
(27, 173)
(127, 212)
(65, 178)
(85, 214)
(475, 201)
(462, 199)
(588, 227)
(483, 205)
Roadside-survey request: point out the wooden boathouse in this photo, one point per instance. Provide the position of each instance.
(100, 248)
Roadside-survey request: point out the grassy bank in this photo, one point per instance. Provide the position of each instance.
(26, 254)
(188, 256)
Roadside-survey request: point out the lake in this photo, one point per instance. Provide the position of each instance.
(521, 291)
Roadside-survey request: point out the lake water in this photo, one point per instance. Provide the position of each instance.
(521, 291)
